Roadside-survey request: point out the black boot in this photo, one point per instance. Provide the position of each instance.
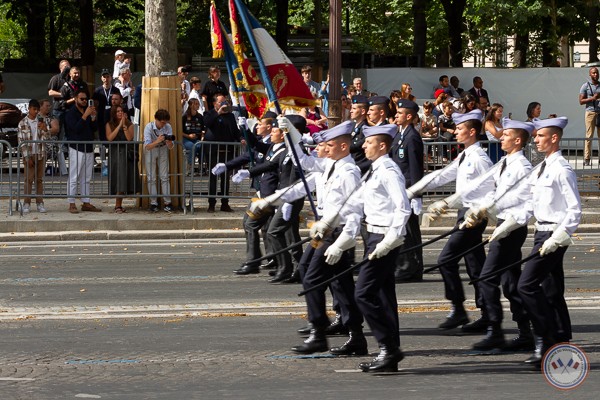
(316, 342)
(524, 339)
(386, 361)
(336, 327)
(355, 346)
(295, 278)
(457, 317)
(536, 357)
(494, 339)
(480, 325)
(282, 274)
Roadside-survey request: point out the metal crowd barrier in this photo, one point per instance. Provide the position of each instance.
(56, 180)
(197, 182)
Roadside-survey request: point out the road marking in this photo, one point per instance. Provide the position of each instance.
(87, 396)
(95, 255)
(16, 379)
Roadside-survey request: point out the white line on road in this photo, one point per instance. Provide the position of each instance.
(16, 379)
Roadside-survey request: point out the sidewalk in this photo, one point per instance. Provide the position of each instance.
(59, 224)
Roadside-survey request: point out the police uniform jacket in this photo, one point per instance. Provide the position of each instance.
(407, 152)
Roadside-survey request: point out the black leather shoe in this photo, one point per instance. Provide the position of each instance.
(456, 318)
(336, 327)
(248, 269)
(295, 278)
(386, 361)
(409, 279)
(305, 330)
(279, 278)
(272, 264)
(316, 343)
(536, 357)
(494, 340)
(478, 326)
(226, 208)
(355, 346)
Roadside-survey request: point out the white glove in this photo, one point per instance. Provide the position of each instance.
(438, 208)
(505, 229)
(473, 217)
(307, 138)
(242, 122)
(286, 126)
(258, 205)
(334, 252)
(219, 169)
(390, 241)
(286, 211)
(240, 176)
(417, 206)
(558, 239)
(319, 228)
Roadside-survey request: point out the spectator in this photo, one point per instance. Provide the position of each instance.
(196, 84)
(315, 120)
(158, 140)
(221, 126)
(358, 86)
(395, 96)
(52, 149)
(442, 85)
(484, 106)
(447, 128)
(124, 177)
(54, 86)
(346, 107)
(182, 74)
(477, 90)
(125, 86)
(494, 131)
(324, 96)
(589, 96)
(312, 85)
(429, 128)
(534, 110)
(33, 128)
(406, 92)
(80, 124)
(119, 63)
(351, 91)
(212, 87)
(193, 132)
(101, 97)
(438, 104)
(71, 87)
(467, 103)
(453, 89)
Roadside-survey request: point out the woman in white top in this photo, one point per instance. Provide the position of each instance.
(493, 131)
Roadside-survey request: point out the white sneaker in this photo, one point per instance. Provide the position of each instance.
(41, 208)
(26, 208)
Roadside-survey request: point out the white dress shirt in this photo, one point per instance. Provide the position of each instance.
(475, 163)
(555, 197)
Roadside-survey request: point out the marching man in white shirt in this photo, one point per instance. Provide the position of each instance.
(465, 169)
(383, 201)
(556, 207)
(506, 205)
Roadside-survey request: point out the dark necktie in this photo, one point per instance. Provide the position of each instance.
(331, 171)
(542, 169)
(503, 167)
(367, 176)
(462, 158)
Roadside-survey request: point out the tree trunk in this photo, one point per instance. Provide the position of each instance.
(35, 46)
(161, 36)
(548, 43)
(318, 54)
(419, 9)
(454, 10)
(521, 46)
(52, 30)
(86, 23)
(281, 29)
(593, 11)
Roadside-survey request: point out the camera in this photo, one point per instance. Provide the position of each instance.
(169, 137)
(40, 118)
(226, 106)
(90, 103)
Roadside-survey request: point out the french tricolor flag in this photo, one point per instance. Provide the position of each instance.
(283, 81)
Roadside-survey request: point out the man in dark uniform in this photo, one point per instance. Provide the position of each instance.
(378, 111)
(407, 152)
(358, 114)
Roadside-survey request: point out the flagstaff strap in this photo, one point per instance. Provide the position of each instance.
(458, 257)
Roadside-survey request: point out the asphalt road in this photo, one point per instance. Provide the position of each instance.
(161, 320)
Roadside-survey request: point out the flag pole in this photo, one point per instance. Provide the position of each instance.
(272, 95)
